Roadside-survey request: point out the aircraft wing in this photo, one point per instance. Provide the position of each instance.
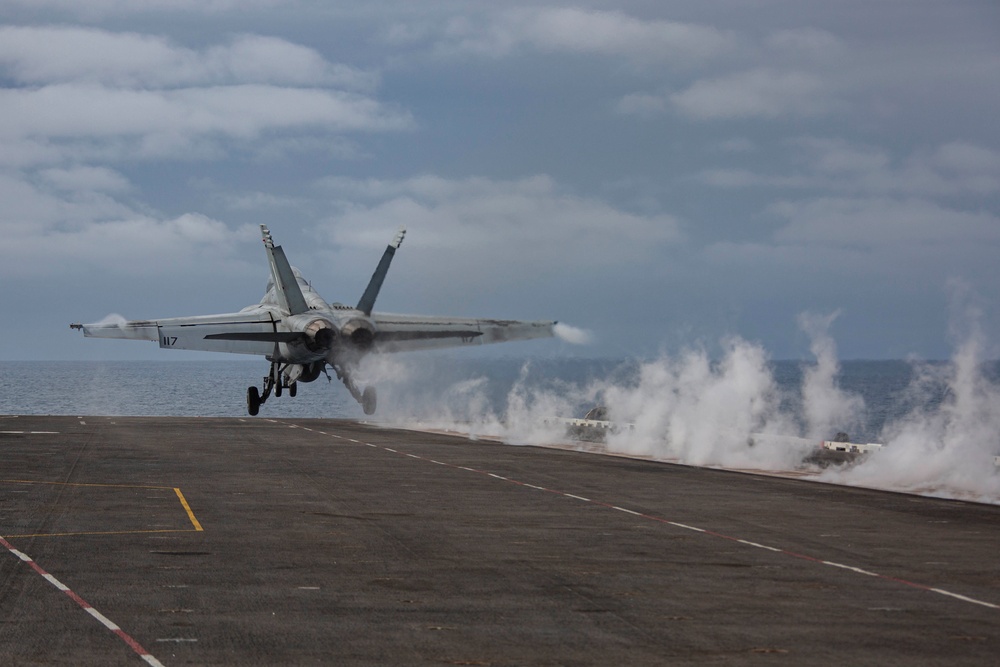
(253, 331)
(405, 333)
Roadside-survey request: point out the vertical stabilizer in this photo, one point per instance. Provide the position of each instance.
(286, 287)
(367, 301)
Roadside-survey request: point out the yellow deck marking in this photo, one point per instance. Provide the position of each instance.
(187, 508)
(113, 486)
(106, 532)
(180, 496)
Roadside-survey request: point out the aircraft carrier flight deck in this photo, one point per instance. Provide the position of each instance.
(226, 541)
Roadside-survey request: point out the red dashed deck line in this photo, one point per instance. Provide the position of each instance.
(756, 545)
(86, 606)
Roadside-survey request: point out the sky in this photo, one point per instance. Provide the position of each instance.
(663, 174)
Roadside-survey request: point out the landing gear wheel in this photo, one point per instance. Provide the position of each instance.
(293, 389)
(253, 401)
(277, 389)
(368, 400)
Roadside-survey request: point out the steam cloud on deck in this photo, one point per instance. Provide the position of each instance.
(696, 410)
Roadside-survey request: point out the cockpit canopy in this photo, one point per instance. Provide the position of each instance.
(299, 278)
(313, 299)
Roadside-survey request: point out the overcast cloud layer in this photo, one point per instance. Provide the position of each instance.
(661, 174)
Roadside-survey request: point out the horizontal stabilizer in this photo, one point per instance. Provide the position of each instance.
(402, 333)
(395, 336)
(260, 337)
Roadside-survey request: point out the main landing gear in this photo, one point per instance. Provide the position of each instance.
(273, 381)
(253, 401)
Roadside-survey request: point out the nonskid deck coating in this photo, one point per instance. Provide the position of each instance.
(332, 542)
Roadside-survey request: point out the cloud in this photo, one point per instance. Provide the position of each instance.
(814, 44)
(102, 8)
(836, 165)
(69, 220)
(757, 93)
(163, 122)
(258, 59)
(140, 245)
(642, 104)
(486, 229)
(32, 208)
(853, 251)
(89, 94)
(84, 178)
(569, 30)
(952, 168)
(730, 178)
(62, 54)
(845, 216)
(883, 222)
(617, 34)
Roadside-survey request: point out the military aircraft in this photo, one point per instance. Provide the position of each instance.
(301, 334)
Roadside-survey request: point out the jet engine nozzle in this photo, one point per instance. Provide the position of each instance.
(320, 335)
(359, 333)
(324, 338)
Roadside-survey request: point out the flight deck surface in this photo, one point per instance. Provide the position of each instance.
(224, 541)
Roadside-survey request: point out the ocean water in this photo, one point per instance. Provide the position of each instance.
(154, 388)
(407, 391)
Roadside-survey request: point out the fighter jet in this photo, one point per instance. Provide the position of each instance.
(300, 334)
